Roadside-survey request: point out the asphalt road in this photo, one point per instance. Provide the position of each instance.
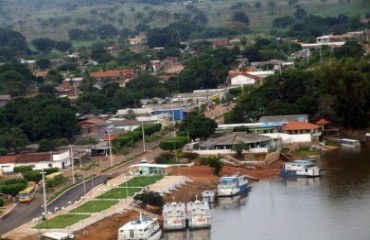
(25, 212)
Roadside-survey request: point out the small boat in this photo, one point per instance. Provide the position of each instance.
(199, 214)
(232, 185)
(300, 168)
(143, 228)
(174, 216)
(346, 142)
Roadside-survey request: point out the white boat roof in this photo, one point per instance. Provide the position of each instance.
(139, 223)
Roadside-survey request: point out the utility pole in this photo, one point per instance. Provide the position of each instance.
(142, 129)
(44, 193)
(72, 163)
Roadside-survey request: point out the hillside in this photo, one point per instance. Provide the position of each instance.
(41, 18)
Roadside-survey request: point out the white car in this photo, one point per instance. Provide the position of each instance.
(144, 160)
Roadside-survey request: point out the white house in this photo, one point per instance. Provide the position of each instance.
(245, 79)
(40, 161)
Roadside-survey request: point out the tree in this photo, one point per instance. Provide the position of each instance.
(239, 147)
(43, 63)
(63, 46)
(151, 198)
(174, 143)
(198, 125)
(349, 49)
(240, 17)
(1, 202)
(12, 189)
(44, 45)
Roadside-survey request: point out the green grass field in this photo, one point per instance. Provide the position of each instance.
(119, 193)
(62, 221)
(142, 181)
(94, 206)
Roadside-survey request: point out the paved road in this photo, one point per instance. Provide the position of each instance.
(25, 212)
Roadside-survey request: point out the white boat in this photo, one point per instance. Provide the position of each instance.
(232, 185)
(143, 228)
(346, 142)
(174, 216)
(199, 214)
(300, 168)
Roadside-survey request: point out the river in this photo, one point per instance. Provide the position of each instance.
(334, 206)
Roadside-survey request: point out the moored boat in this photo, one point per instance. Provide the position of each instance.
(199, 214)
(300, 168)
(232, 185)
(143, 228)
(174, 216)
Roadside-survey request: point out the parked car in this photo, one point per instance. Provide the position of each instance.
(144, 160)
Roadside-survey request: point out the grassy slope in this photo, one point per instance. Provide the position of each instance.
(218, 14)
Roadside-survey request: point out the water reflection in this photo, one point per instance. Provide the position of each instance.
(234, 202)
(200, 234)
(334, 206)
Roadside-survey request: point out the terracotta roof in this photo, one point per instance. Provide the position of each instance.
(299, 126)
(26, 158)
(322, 121)
(126, 73)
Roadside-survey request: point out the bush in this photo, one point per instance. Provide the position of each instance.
(87, 141)
(22, 169)
(51, 170)
(173, 143)
(1, 202)
(152, 198)
(164, 157)
(16, 180)
(55, 181)
(214, 162)
(189, 155)
(33, 175)
(12, 189)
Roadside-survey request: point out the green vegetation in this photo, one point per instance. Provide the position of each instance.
(1, 202)
(197, 125)
(94, 206)
(164, 158)
(151, 198)
(13, 186)
(214, 162)
(22, 169)
(306, 152)
(173, 143)
(142, 181)
(62, 221)
(119, 193)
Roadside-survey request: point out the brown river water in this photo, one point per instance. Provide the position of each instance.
(334, 206)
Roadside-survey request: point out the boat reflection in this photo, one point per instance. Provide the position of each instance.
(199, 234)
(297, 182)
(233, 202)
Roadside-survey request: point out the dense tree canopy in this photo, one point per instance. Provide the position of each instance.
(198, 125)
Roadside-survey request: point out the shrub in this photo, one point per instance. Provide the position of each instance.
(189, 155)
(152, 198)
(33, 175)
(51, 170)
(1, 202)
(55, 181)
(164, 157)
(173, 143)
(16, 180)
(12, 189)
(22, 169)
(214, 162)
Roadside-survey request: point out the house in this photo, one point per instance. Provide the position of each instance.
(245, 79)
(94, 125)
(224, 143)
(60, 159)
(4, 99)
(139, 39)
(122, 76)
(124, 124)
(299, 128)
(176, 112)
(144, 111)
(219, 42)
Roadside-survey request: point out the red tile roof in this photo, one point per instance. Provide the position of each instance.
(322, 122)
(299, 126)
(126, 73)
(26, 158)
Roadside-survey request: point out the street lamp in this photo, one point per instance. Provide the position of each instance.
(44, 192)
(110, 147)
(72, 162)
